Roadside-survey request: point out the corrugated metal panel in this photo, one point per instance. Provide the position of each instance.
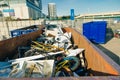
(95, 31)
(86, 30)
(100, 31)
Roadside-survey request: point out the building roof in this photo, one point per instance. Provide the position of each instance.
(102, 15)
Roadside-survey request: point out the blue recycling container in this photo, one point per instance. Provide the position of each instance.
(15, 33)
(27, 31)
(86, 30)
(95, 31)
(21, 31)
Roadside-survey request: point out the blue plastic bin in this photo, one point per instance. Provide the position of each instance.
(95, 31)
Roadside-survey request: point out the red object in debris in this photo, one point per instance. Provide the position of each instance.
(117, 35)
(59, 58)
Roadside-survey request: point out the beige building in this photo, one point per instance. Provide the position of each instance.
(52, 13)
(19, 9)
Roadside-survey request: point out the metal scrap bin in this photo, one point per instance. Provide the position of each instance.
(99, 64)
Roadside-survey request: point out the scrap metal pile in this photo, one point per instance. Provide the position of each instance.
(52, 54)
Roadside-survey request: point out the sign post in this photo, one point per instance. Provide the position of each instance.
(72, 17)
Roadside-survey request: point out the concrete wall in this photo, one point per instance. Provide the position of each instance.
(7, 26)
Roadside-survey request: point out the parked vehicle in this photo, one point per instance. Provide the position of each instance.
(117, 33)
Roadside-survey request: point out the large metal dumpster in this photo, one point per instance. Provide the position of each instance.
(98, 63)
(95, 31)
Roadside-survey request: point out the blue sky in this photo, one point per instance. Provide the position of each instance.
(82, 6)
